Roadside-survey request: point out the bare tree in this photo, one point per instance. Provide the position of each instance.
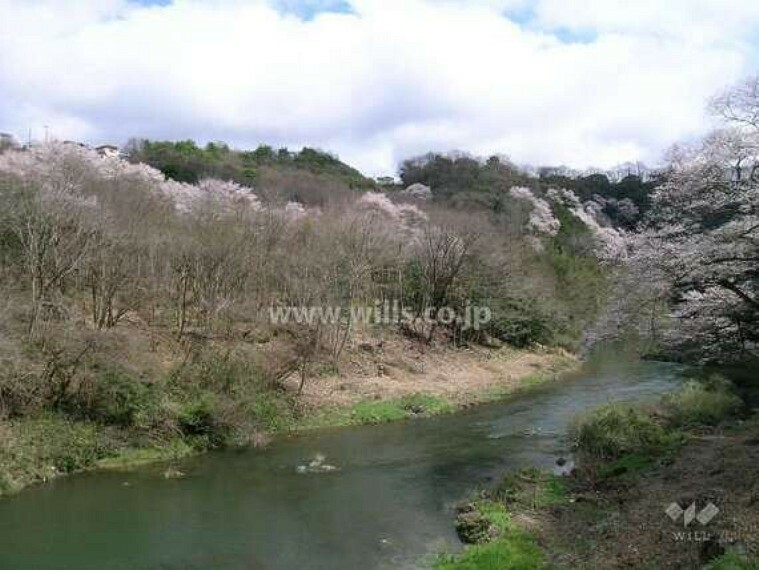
(52, 229)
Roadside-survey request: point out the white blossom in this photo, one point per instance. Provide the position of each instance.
(610, 242)
(541, 220)
(703, 241)
(406, 219)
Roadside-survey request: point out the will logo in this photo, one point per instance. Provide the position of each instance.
(704, 516)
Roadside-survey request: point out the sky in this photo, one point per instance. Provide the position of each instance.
(582, 83)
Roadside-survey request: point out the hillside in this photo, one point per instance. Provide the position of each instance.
(264, 167)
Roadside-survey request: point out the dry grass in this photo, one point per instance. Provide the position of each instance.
(404, 367)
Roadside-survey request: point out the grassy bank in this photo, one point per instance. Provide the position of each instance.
(157, 424)
(632, 461)
(37, 450)
(377, 409)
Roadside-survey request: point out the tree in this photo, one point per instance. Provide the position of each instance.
(48, 212)
(702, 236)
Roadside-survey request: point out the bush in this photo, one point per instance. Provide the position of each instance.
(268, 411)
(21, 391)
(225, 397)
(199, 418)
(522, 322)
(211, 370)
(701, 403)
(122, 400)
(613, 430)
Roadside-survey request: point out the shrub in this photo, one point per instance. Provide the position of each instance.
(21, 392)
(269, 411)
(522, 322)
(698, 403)
(122, 400)
(199, 418)
(220, 372)
(613, 430)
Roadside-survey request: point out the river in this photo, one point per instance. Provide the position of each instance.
(389, 504)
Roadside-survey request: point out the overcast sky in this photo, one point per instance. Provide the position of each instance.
(576, 82)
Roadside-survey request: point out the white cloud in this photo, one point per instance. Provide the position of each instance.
(388, 79)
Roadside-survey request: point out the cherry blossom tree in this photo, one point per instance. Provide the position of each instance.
(702, 237)
(542, 220)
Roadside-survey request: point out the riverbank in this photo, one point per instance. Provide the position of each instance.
(415, 382)
(639, 468)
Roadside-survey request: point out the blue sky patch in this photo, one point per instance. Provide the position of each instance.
(304, 9)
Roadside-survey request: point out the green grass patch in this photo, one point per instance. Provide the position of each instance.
(622, 439)
(502, 544)
(532, 489)
(374, 412)
(731, 560)
(134, 457)
(496, 513)
(518, 551)
(627, 465)
(513, 549)
(370, 412)
(377, 412)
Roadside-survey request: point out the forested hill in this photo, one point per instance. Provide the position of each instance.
(465, 181)
(185, 161)
(459, 180)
